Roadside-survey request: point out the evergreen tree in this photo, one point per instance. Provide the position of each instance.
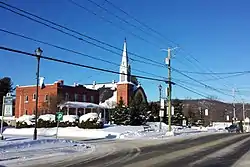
(154, 107)
(137, 110)
(5, 87)
(120, 114)
(178, 114)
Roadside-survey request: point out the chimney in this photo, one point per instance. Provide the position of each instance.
(94, 83)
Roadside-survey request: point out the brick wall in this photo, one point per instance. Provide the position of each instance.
(23, 106)
(124, 91)
(56, 90)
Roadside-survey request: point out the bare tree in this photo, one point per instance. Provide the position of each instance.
(50, 106)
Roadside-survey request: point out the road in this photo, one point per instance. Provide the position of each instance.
(220, 150)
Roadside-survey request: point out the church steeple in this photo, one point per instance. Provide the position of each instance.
(125, 67)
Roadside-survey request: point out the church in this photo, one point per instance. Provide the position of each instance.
(111, 93)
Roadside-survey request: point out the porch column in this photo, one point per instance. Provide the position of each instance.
(76, 110)
(67, 110)
(84, 111)
(104, 115)
(91, 110)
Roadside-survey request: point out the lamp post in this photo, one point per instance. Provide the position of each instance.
(38, 52)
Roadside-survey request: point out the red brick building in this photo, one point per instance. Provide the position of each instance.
(26, 97)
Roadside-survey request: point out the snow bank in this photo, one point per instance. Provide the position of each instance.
(89, 116)
(25, 118)
(70, 118)
(29, 119)
(47, 117)
(112, 131)
(8, 118)
(16, 151)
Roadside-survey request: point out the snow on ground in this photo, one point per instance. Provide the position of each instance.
(113, 131)
(17, 149)
(47, 117)
(89, 116)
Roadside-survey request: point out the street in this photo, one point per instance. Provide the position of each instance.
(222, 150)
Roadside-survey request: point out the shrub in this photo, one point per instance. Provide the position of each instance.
(23, 125)
(4, 123)
(45, 124)
(91, 124)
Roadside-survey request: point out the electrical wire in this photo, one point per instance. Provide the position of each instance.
(79, 65)
(75, 52)
(155, 63)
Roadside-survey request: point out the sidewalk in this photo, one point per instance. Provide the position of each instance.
(244, 161)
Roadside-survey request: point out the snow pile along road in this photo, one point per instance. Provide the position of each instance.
(14, 150)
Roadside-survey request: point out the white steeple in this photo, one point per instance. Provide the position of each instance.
(125, 67)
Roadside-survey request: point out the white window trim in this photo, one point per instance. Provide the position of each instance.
(25, 100)
(84, 98)
(34, 99)
(66, 97)
(76, 97)
(92, 99)
(46, 100)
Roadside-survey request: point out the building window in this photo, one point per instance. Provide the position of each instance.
(66, 97)
(46, 98)
(76, 97)
(34, 97)
(83, 98)
(26, 99)
(92, 98)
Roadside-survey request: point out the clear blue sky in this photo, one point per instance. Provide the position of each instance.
(216, 33)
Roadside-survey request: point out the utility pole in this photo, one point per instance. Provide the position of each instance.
(234, 118)
(243, 112)
(160, 88)
(169, 89)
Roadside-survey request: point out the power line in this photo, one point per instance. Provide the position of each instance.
(207, 86)
(77, 64)
(73, 35)
(191, 90)
(153, 30)
(118, 17)
(143, 24)
(110, 22)
(215, 73)
(155, 63)
(73, 51)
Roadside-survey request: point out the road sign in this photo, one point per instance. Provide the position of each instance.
(59, 116)
(184, 122)
(8, 100)
(172, 110)
(162, 103)
(206, 112)
(161, 114)
(8, 110)
(7, 105)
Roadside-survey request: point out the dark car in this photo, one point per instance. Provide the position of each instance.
(233, 128)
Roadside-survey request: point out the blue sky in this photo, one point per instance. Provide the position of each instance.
(216, 33)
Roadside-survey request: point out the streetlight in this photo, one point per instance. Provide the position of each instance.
(38, 53)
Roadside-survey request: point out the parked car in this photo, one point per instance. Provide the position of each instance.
(233, 128)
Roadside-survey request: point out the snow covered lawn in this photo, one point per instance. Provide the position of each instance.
(112, 131)
(17, 149)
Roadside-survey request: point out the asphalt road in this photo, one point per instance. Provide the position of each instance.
(220, 150)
